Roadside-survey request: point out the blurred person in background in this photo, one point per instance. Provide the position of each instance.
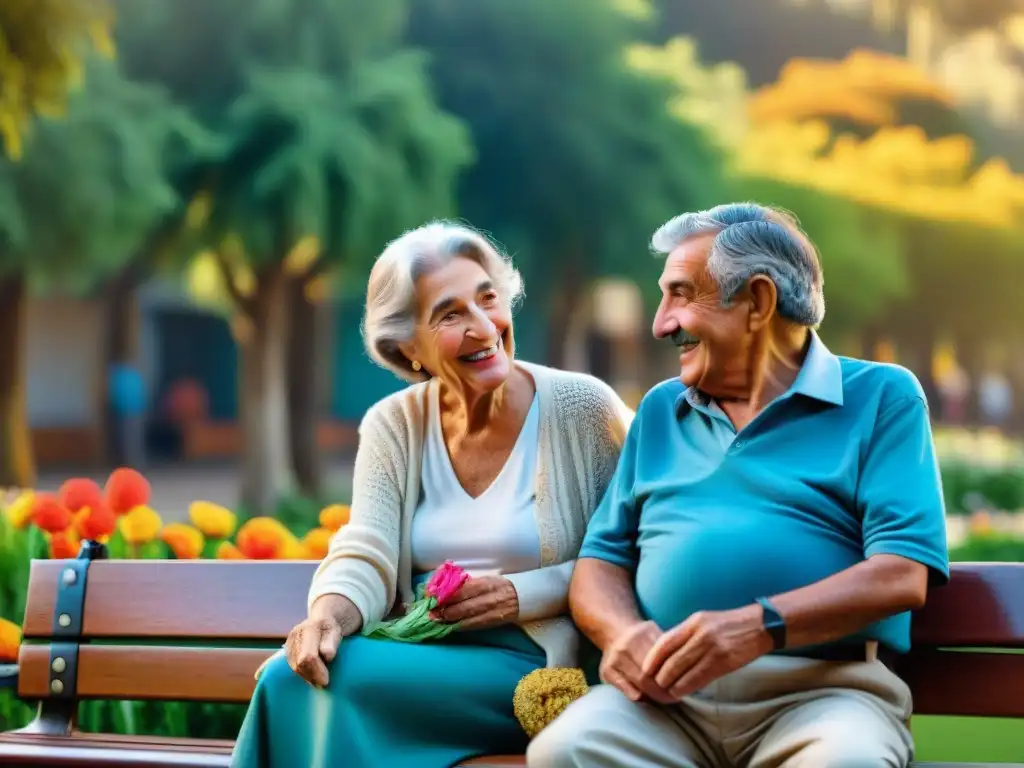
(127, 402)
(489, 462)
(774, 518)
(995, 399)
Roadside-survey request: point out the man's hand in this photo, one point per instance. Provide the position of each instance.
(622, 663)
(706, 647)
(482, 603)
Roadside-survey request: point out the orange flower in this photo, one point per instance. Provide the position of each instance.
(215, 521)
(185, 541)
(126, 489)
(263, 538)
(19, 511)
(64, 545)
(50, 515)
(335, 516)
(228, 551)
(317, 542)
(140, 526)
(10, 641)
(80, 492)
(96, 523)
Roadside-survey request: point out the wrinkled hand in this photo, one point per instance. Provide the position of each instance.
(622, 663)
(706, 647)
(482, 603)
(311, 646)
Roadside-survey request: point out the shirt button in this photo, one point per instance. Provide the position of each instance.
(737, 444)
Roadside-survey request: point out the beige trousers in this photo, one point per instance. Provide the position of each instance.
(779, 712)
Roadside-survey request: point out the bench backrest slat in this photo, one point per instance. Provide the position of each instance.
(981, 607)
(177, 599)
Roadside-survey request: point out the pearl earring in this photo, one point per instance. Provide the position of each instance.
(416, 365)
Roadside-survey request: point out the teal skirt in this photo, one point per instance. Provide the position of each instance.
(400, 705)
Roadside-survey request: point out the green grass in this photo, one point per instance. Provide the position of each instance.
(962, 739)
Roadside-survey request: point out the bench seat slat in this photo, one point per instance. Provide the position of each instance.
(96, 750)
(149, 672)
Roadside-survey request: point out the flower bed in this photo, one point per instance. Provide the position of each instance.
(980, 469)
(42, 525)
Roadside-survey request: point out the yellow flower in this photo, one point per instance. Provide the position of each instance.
(19, 511)
(185, 541)
(140, 526)
(293, 549)
(10, 641)
(335, 516)
(981, 522)
(228, 551)
(317, 542)
(543, 694)
(215, 521)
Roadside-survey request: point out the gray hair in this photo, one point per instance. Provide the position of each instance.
(753, 239)
(390, 316)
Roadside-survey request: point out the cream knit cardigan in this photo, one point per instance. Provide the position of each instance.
(582, 426)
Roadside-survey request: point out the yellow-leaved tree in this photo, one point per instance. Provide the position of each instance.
(871, 155)
(42, 43)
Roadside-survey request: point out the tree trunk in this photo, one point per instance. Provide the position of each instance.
(304, 390)
(17, 467)
(266, 473)
(120, 345)
(568, 291)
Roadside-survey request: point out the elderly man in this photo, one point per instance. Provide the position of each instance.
(775, 515)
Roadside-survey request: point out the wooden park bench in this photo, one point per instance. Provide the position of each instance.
(176, 631)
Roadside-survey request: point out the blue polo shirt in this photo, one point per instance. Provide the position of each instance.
(839, 468)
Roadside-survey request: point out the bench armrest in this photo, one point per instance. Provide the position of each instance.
(8, 676)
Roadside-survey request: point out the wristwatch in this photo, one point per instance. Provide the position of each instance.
(773, 622)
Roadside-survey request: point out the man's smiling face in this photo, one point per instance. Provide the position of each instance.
(714, 341)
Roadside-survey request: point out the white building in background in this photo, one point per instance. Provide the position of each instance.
(982, 68)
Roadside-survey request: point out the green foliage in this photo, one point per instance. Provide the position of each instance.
(1000, 487)
(578, 158)
(41, 47)
(90, 187)
(326, 127)
(990, 547)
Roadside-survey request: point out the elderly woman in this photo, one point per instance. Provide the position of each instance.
(487, 461)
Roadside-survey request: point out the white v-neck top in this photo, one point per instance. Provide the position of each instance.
(493, 533)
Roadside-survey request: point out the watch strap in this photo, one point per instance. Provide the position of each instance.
(773, 623)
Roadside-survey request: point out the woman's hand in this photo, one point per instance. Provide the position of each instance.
(313, 644)
(482, 603)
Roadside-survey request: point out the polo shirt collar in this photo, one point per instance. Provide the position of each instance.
(820, 378)
(821, 375)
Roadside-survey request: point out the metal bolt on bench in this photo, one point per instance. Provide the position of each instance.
(58, 713)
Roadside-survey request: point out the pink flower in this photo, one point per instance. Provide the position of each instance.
(446, 582)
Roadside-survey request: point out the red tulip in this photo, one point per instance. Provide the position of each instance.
(126, 489)
(49, 514)
(80, 492)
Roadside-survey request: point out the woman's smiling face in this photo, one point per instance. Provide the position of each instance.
(464, 327)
